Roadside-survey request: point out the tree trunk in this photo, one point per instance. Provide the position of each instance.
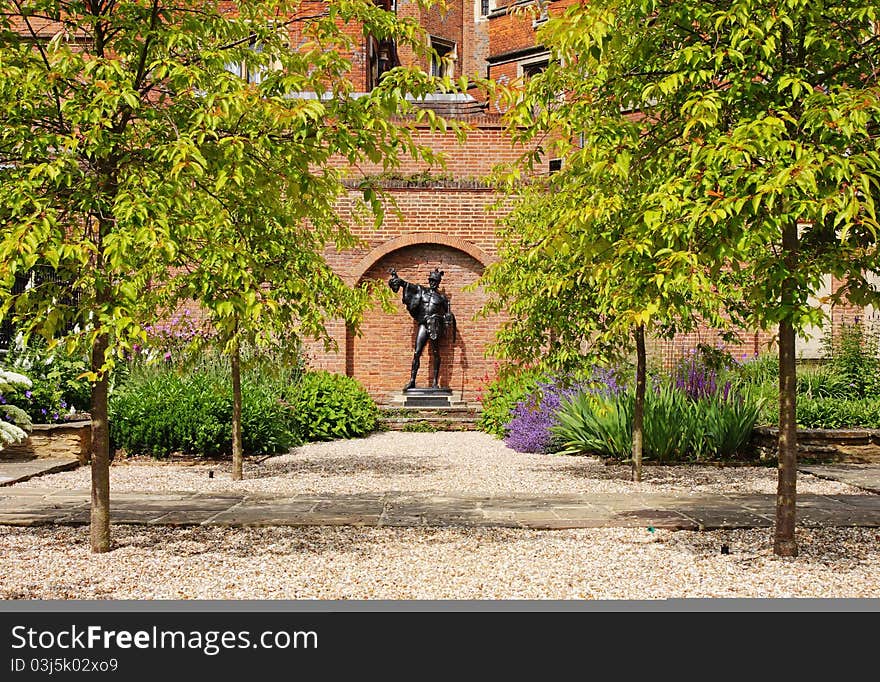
(639, 407)
(237, 467)
(784, 542)
(100, 510)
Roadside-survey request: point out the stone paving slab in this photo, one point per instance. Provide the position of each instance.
(685, 512)
(864, 476)
(15, 471)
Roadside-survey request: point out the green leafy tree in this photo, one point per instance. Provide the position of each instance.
(768, 116)
(588, 268)
(273, 180)
(122, 136)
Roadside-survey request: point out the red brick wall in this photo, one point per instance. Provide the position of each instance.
(448, 228)
(487, 145)
(381, 356)
(513, 30)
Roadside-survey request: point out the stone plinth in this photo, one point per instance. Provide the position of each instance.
(70, 439)
(427, 397)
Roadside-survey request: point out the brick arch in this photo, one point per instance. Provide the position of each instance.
(414, 239)
(380, 354)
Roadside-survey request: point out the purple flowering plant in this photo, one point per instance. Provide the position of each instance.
(529, 428)
(697, 379)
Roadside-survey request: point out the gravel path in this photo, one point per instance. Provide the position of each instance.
(351, 563)
(455, 563)
(462, 462)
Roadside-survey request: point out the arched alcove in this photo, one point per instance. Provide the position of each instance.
(381, 356)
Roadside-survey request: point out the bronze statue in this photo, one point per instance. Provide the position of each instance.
(431, 310)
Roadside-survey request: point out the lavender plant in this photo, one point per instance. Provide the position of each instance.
(533, 418)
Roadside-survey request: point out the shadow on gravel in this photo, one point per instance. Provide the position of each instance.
(328, 468)
(590, 469)
(279, 542)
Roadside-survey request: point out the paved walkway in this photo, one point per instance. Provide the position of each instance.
(18, 470)
(41, 506)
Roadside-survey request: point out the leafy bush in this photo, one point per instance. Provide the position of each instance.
(159, 411)
(14, 422)
(676, 426)
(56, 390)
(333, 406)
(596, 424)
(834, 413)
(502, 395)
(853, 353)
(763, 369)
(529, 427)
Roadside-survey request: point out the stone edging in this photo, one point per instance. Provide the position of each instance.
(66, 439)
(844, 445)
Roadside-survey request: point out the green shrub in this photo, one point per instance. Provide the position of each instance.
(502, 395)
(333, 406)
(591, 423)
(762, 369)
(160, 410)
(853, 358)
(834, 413)
(56, 391)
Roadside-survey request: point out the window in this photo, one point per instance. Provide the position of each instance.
(541, 16)
(485, 7)
(555, 165)
(442, 58)
(381, 57)
(254, 71)
(532, 69)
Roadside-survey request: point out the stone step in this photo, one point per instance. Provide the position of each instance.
(460, 418)
(438, 424)
(400, 411)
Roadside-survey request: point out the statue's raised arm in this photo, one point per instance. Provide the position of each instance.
(395, 282)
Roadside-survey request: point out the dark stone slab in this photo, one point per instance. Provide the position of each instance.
(561, 524)
(401, 521)
(249, 518)
(865, 476)
(712, 518)
(426, 401)
(427, 391)
(16, 471)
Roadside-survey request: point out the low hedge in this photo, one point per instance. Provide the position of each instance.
(159, 410)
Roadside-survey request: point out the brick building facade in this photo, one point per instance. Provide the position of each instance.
(443, 220)
(447, 223)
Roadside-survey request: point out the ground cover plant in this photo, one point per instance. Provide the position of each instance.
(841, 391)
(57, 390)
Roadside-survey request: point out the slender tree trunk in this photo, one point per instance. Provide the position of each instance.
(100, 510)
(237, 467)
(784, 542)
(639, 407)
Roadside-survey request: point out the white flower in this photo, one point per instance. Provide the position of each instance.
(10, 433)
(10, 380)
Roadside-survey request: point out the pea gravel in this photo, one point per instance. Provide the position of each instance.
(352, 563)
(446, 563)
(461, 462)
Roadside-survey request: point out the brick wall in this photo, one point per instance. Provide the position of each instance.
(381, 356)
(486, 146)
(445, 227)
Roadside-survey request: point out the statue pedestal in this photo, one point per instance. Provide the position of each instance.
(427, 397)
